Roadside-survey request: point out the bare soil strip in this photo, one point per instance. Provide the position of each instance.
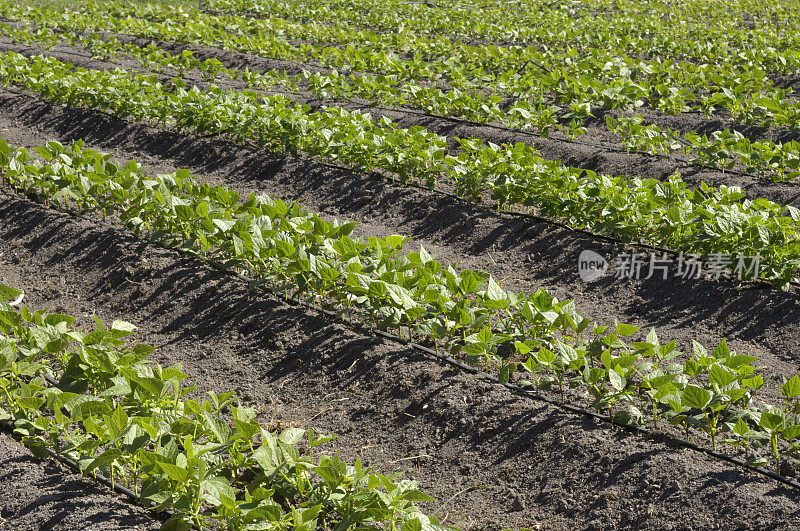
(38, 495)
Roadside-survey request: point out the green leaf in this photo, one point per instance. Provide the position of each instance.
(104, 460)
(8, 293)
(176, 523)
(292, 435)
(495, 292)
(791, 388)
(722, 352)
(55, 318)
(400, 296)
(223, 225)
(792, 432)
(412, 525)
(545, 356)
(626, 329)
(264, 456)
(618, 382)
(174, 472)
(605, 359)
(754, 383)
(123, 326)
(118, 421)
(741, 428)
(522, 348)
(721, 376)
(696, 397)
(221, 430)
(770, 421)
(415, 495)
(756, 462)
(216, 489)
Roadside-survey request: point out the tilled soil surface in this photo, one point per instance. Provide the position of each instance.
(535, 465)
(47, 495)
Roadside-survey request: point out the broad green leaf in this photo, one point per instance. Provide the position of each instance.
(292, 435)
(176, 523)
(696, 397)
(174, 472)
(721, 376)
(104, 460)
(8, 293)
(618, 382)
(626, 329)
(791, 387)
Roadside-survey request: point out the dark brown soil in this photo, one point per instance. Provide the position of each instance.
(47, 495)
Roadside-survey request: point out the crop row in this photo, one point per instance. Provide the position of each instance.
(721, 149)
(93, 398)
(533, 78)
(704, 221)
(466, 312)
(669, 75)
(378, 89)
(653, 29)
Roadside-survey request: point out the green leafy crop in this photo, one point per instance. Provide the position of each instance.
(464, 312)
(93, 397)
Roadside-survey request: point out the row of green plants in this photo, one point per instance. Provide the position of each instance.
(378, 90)
(466, 313)
(669, 77)
(697, 31)
(533, 78)
(726, 149)
(669, 213)
(94, 398)
(722, 149)
(548, 25)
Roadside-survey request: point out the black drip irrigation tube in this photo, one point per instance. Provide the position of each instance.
(644, 432)
(8, 427)
(593, 414)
